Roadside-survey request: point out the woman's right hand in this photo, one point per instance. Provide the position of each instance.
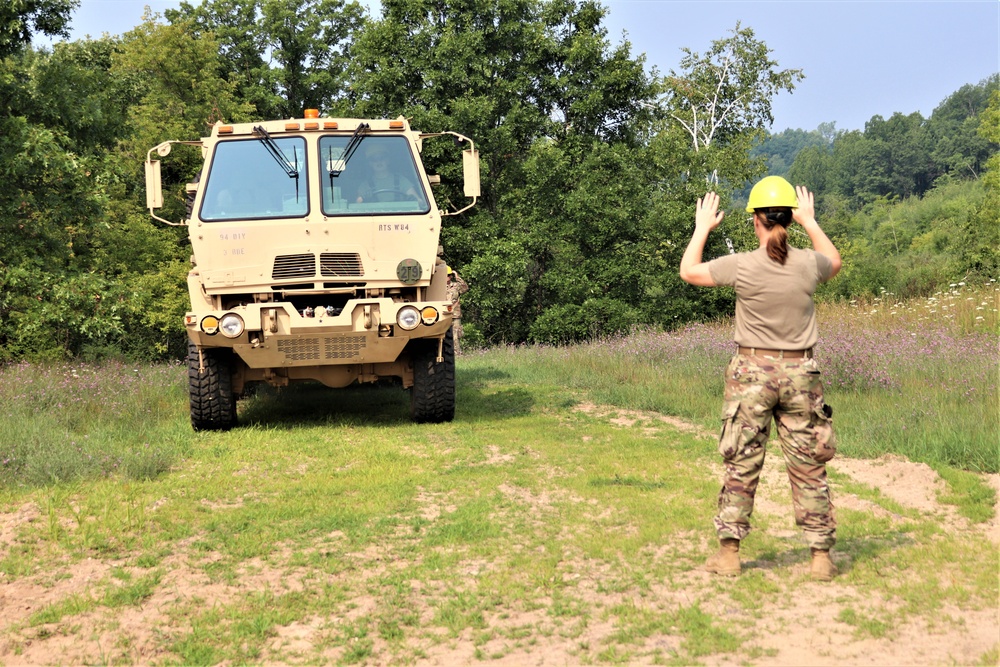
(805, 215)
(806, 211)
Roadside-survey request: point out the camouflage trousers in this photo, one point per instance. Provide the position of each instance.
(456, 334)
(791, 392)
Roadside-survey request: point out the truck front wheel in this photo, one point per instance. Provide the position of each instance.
(210, 385)
(432, 397)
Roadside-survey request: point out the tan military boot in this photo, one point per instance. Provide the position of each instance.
(822, 568)
(727, 560)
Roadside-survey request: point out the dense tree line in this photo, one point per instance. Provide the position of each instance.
(903, 156)
(781, 149)
(591, 164)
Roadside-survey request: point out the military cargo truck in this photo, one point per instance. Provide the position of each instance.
(316, 257)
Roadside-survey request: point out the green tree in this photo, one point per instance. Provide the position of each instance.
(781, 149)
(50, 222)
(243, 47)
(725, 95)
(20, 20)
(903, 155)
(554, 109)
(311, 42)
(811, 167)
(578, 217)
(902, 165)
(979, 238)
(181, 96)
(959, 148)
(283, 55)
(50, 207)
(71, 88)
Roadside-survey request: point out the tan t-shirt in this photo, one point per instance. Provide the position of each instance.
(774, 305)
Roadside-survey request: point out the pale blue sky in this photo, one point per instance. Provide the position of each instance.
(860, 58)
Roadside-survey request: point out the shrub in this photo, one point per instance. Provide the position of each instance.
(596, 318)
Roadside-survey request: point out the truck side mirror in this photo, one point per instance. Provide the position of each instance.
(470, 172)
(154, 186)
(470, 169)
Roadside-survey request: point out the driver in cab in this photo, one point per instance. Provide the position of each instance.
(382, 183)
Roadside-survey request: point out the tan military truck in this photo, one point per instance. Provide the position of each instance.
(316, 258)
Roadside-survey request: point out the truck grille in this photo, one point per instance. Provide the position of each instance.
(331, 265)
(312, 349)
(336, 264)
(345, 348)
(300, 350)
(294, 266)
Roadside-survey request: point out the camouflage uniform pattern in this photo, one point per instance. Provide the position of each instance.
(791, 392)
(456, 288)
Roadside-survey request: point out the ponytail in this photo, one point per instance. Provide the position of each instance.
(777, 244)
(776, 221)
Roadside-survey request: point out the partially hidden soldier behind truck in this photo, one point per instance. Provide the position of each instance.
(456, 288)
(773, 373)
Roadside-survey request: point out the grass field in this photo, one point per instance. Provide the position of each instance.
(561, 518)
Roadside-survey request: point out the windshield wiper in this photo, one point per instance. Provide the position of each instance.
(352, 146)
(275, 151)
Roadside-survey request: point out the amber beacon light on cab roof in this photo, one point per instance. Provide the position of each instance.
(316, 257)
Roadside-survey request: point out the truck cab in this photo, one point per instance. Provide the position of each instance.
(316, 258)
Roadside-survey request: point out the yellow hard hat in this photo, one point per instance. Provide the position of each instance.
(772, 192)
(450, 270)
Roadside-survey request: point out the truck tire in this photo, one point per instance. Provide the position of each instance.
(213, 404)
(432, 397)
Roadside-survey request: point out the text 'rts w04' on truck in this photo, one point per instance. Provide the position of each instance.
(316, 258)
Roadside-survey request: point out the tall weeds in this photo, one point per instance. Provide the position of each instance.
(916, 378)
(64, 422)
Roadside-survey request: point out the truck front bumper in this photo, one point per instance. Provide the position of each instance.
(275, 335)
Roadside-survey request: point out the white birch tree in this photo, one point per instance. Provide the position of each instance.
(727, 92)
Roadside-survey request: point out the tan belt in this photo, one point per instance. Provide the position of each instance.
(780, 354)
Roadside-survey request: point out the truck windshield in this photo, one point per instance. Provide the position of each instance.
(245, 182)
(379, 178)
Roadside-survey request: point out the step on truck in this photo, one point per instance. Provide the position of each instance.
(316, 258)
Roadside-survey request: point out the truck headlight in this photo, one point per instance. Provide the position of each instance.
(231, 325)
(408, 318)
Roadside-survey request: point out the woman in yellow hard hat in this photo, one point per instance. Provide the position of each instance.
(773, 374)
